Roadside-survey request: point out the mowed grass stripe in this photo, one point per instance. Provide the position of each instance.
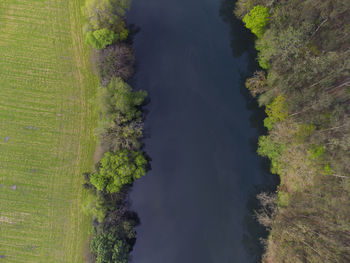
(46, 130)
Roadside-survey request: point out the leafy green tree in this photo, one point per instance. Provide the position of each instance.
(276, 111)
(120, 103)
(100, 38)
(109, 249)
(257, 19)
(118, 169)
(268, 148)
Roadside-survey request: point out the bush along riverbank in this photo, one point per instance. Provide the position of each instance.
(304, 85)
(119, 132)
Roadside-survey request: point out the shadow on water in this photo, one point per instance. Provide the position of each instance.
(241, 38)
(242, 43)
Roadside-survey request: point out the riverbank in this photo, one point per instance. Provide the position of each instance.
(303, 49)
(120, 159)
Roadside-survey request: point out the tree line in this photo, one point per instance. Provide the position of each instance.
(119, 132)
(304, 85)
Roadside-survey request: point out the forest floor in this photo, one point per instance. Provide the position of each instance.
(46, 130)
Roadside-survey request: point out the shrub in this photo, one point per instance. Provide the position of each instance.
(283, 199)
(100, 38)
(257, 19)
(94, 205)
(317, 151)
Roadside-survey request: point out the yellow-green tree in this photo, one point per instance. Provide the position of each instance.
(257, 19)
(118, 169)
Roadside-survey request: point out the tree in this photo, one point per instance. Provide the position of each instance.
(118, 169)
(276, 111)
(123, 136)
(106, 13)
(256, 84)
(116, 61)
(257, 19)
(272, 150)
(120, 103)
(109, 249)
(100, 38)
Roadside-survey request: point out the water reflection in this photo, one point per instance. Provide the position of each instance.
(242, 43)
(241, 38)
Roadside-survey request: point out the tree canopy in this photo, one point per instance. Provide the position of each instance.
(257, 19)
(305, 52)
(105, 13)
(276, 111)
(118, 169)
(120, 102)
(115, 61)
(106, 22)
(108, 249)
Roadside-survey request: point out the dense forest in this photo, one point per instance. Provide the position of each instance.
(120, 130)
(304, 85)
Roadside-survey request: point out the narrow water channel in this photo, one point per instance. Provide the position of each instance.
(195, 203)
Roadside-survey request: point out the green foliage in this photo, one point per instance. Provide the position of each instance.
(327, 169)
(100, 38)
(94, 206)
(120, 131)
(106, 23)
(263, 63)
(276, 111)
(123, 34)
(317, 151)
(272, 150)
(257, 19)
(283, 199)
(118, 169)
(120, 102)
(109, 249)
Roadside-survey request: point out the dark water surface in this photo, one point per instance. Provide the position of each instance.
(196, 204)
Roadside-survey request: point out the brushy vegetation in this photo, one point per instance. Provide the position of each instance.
(46, 134)
(304, 46)
(120, 130)
(106, 22)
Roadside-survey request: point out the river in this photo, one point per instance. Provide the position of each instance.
(196, 204)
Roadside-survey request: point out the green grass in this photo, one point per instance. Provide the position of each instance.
(46, 130)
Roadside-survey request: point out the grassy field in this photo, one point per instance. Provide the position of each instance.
(46, 135)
